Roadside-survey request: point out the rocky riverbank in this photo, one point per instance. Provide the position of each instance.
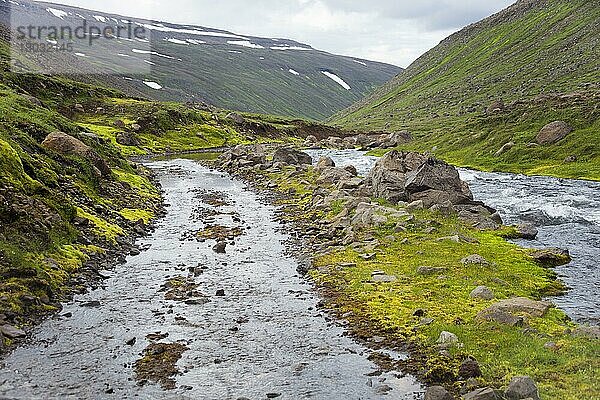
(411, 261)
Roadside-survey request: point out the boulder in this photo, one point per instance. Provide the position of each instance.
(554, 132)
(590, 332)
(447, 339)
(475, 259)
(469, 369)
(481, 394)
(333, 175)
(479, 215)
(33, 100)
(291, 157)
(551, 257)
(395, 139)
(368, 215)
(500, 317)
(521, 305)
(11, 332)
(522, 387)
(325, 162)
(436, 182)
(438, 393)
(127, 139)
(483, 293)
(119, 124)
(243, 156)
(387, 179)
(526, 231)
(68, 145)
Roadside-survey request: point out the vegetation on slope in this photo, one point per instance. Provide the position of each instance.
(539, 58)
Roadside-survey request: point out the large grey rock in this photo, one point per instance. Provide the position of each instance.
(438, 393)
(436, 182)
(590, 332)
(291, 157)
(481, 394)
(554, 132)
(11, 332)
(526, 231)
(387, 179)
(501, 317)
(522, 387)
(475, 259)
(367, 214)
(324, 162)
(521, 305)
(483, 293)
(551, 257)
(447, 338)
(333, 175)
(235, 118)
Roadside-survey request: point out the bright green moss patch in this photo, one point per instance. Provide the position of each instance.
(135, 215)
(11, 168)
(502, 351)
(102, 228)
(143, 185)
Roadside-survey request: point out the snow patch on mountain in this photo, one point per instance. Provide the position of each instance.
(153, 85)
(336, 79)
(57, 13)
(245, 43)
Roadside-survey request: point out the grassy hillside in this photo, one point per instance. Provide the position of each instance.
(192, 63)
(540, 58)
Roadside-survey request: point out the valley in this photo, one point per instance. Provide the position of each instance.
(238, 236)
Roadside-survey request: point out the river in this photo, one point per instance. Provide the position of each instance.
(262, 337)
(565, 211)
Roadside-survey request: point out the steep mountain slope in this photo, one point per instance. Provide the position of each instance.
(191, 63)
(538, 59)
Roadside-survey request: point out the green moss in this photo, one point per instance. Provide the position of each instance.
(136, 215)
(502, 351)
(102, 228)
(142, 184)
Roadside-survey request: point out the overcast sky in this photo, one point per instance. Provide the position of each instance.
(393, 31)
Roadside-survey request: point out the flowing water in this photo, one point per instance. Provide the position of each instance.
(264, 338)
(566, 212)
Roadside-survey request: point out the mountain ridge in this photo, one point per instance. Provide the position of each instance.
(219, 67)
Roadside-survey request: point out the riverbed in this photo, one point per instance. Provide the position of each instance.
(253, 330)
